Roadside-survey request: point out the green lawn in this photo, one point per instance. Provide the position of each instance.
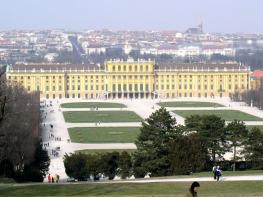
(99, 151)
(101, 116)
(227, 115)
(92, 104)
(189, 104)
(218, 189)
(104, 134)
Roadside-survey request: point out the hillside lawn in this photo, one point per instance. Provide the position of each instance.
(101, 116)
(228, 115)
(103, 134)
(189, 104)
(218, 189)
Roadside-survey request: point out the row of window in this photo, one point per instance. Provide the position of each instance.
(124, 87)
(124, 68)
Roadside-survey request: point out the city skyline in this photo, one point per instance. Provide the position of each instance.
(217, 16)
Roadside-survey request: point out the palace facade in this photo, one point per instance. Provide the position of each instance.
(131, 79)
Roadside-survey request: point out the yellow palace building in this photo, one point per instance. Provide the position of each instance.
(131, 79)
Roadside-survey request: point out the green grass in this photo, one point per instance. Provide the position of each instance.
(92, 104)
(227, 115)
(189, 104)
(99, 151)
(218, 189)
(101, 116)
(104, 134)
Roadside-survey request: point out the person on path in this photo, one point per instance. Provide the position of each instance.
(49, 178)
(57, 178)
(214, 171)
(52, 179)
(193, 190)
(218, 173)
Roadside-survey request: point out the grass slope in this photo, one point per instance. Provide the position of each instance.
(219, 189)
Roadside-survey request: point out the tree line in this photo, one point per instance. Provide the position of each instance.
(21, 154)
(165, 148)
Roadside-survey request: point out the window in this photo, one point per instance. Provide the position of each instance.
(47, 88)
(86, 87)
(60, 88)
(167, 87)
(147, 87)
(199, 87)
(73, 87)
(78, 87)
(124, 87)
(141, 68)
(119, 87)
(212, 87)
(141, 87)
(119, 68)
(54, 96)
(47, 96)
(135, 68)
(147, 67)
(130, 87)
(113, 68)
(130, 68)
(53, 88)
(185, 86)
(114, 87)
(136, 87)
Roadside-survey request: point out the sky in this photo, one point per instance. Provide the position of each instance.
(228, 16)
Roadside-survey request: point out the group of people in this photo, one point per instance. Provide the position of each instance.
(217, 172)
(53, 179)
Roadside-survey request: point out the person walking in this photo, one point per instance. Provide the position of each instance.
(218, 173)
(193, 190)
(57, 178)
(214, 171)
(49, 178)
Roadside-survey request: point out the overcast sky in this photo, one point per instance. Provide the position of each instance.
(218, 15)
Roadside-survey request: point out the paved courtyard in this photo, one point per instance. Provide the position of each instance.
(57, 141)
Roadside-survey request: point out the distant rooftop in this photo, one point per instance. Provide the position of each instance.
(202, 66)
(54, 67)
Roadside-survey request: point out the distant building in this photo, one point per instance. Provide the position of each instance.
(132, 79)
(195, 30)
(257, 80)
